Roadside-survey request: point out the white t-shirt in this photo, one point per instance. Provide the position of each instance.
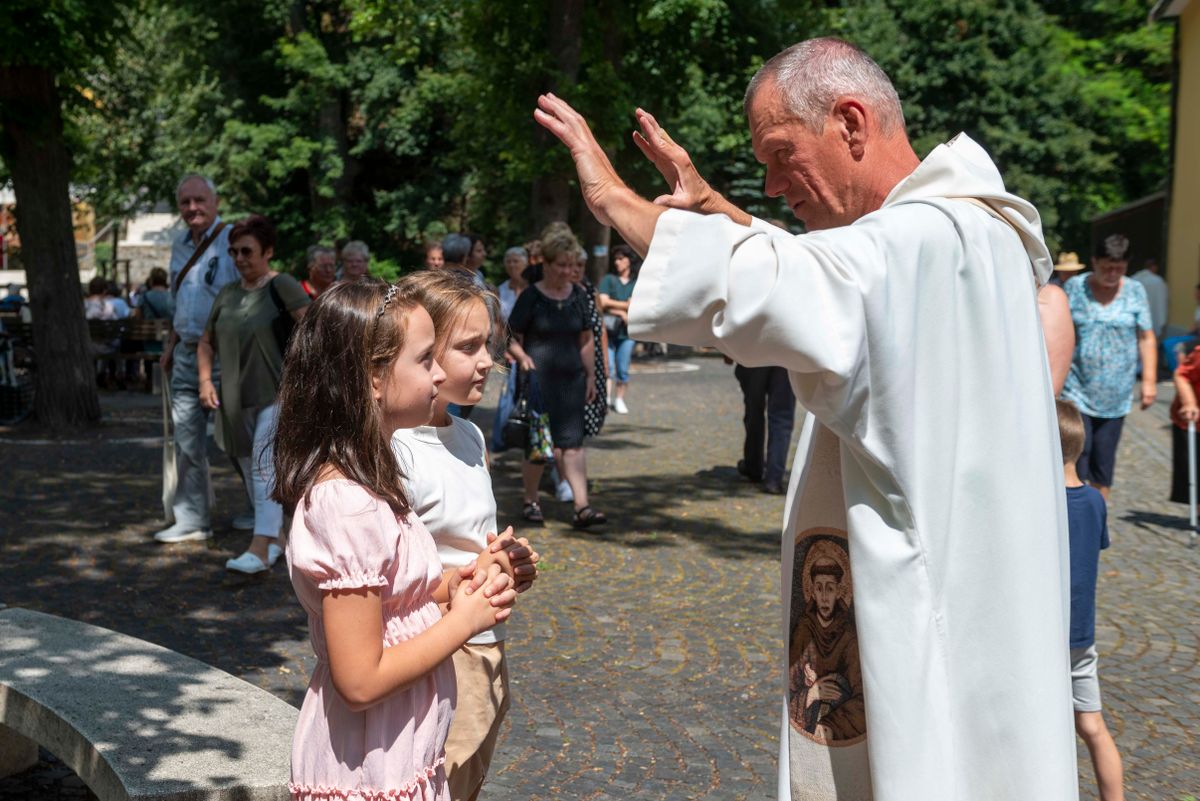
(508, 299)
(450, 489)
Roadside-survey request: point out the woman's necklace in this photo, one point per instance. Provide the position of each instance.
(557, 301)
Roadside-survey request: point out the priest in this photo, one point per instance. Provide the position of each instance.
(908, 320)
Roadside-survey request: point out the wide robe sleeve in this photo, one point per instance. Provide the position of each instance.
(756, 293)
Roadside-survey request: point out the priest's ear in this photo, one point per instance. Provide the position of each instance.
(850, 117)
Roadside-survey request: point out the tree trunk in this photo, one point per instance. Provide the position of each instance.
(552, 193)
(595, 234)
(36, 155)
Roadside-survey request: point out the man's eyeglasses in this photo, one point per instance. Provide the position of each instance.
(245, 252)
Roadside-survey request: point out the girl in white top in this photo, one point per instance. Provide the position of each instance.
(451, 491)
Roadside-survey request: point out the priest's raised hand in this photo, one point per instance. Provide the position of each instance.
(689, 190)
(608, 197)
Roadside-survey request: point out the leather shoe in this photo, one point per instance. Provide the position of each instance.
(745, 471)
(772, 487)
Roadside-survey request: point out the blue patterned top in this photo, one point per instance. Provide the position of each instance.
(1104, 368)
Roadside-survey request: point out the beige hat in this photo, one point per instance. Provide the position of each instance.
(1068, 263)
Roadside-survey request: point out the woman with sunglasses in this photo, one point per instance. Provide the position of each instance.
(244, 330)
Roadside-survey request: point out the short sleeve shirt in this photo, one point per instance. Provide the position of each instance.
(551, 329)
(1189, 370)
(1104, 368)
(241, 329)
(1087, 523)
(611, 285)
(208, 276)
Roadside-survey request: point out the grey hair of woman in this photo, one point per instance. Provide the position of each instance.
(314, 252)
(456, 248)
(356, 247)
(518, 251)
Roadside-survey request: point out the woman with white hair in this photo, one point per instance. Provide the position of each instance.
(356, 261)
(516, 260)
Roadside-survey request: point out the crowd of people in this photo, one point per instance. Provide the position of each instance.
(562, 345)
(387, 479)
(346, 401)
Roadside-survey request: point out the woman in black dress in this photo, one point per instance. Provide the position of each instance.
(552, 336)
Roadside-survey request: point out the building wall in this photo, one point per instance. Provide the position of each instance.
(1183, 247)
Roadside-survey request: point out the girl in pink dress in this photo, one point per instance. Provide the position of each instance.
(374, 722)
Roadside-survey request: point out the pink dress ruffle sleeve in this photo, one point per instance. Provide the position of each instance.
(344, 538)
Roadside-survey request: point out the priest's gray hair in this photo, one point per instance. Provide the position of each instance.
(195, 176)
(813, 74)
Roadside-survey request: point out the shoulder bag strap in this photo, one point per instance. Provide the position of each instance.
(199, 251)
(275, 297)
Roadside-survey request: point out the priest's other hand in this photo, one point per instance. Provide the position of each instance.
(689, 191)
(609, 198)
(597, 178)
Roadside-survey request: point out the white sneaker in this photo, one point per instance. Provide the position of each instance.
(178, 533)
(247, 563)
(564, 491)
(619, 406)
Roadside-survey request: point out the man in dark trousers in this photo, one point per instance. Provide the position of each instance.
(766, 392)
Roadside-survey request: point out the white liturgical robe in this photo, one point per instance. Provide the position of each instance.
(924, 567)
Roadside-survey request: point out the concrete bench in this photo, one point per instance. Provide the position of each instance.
(135, 720)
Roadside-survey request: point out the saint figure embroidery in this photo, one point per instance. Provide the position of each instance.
(825, 695)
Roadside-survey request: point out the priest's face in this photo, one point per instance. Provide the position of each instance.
(813, 172)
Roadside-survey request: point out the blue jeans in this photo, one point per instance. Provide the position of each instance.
(504, 407)
(621, 353)
(193, 490)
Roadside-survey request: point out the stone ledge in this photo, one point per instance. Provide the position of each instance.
(138, 721)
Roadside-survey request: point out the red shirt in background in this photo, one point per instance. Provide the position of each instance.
(1189, 368)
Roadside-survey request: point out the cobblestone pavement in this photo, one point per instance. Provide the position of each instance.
(642, 662)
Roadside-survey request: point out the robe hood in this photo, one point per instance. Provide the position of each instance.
(961, 168)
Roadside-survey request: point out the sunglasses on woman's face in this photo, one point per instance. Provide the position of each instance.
(244, 252)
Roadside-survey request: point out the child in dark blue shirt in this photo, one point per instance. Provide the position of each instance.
(1087, 520)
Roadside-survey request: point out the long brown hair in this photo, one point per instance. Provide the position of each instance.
(327, 416)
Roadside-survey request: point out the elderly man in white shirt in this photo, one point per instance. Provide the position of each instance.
(200, 267)
(1156, 294)
(924, 569)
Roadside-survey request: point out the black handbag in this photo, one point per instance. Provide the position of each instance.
(516, 430)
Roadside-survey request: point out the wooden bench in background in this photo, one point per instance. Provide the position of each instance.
(113, 341)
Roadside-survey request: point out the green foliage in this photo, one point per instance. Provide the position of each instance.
(1072, 129)
(394, 121)
(60, 35)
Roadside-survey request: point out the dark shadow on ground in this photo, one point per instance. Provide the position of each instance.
(1147, 521)
(654, 511)
(135, 712)
(77, 542)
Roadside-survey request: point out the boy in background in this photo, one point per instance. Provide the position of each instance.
(1087, 520)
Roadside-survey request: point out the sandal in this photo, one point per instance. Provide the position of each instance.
(533, 513)
(587, 516)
